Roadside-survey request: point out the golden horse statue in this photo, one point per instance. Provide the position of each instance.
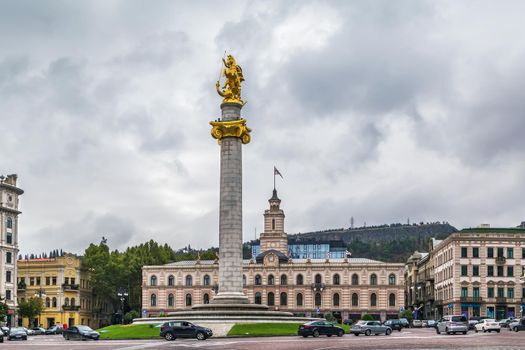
(231, 90)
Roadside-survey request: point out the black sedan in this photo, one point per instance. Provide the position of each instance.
(182, 329)
(80, 332)
(17, 333)
(317, 328)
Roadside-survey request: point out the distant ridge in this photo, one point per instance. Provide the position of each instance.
(380, 233)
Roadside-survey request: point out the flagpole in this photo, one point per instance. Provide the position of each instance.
(274, 178)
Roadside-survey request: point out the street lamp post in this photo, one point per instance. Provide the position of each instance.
(122, 294)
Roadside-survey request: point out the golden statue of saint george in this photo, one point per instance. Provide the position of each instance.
(231, 90)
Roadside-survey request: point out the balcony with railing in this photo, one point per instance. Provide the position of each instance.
(471, 299)
(68, 286)
(500, 260)
(501, 300)
(71, 307)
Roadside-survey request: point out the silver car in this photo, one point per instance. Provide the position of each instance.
(452, 324)
(370, 327)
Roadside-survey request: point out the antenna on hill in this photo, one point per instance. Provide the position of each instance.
(408, 221)
(352, 222)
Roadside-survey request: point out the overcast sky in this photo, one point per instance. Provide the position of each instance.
(380, 110)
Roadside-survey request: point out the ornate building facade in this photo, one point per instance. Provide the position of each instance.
(348, 287)
(9, 193)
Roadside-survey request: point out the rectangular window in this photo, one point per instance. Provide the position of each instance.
(72, 280)
(500, 271)
(38, 281)
(490, 292)
(464, 252)
(490, 252)
(501, 292)
(490, 270)
(510, 271)
(464, 291)
(8, 294)
(464, 270)
(475, 252)
(500, 251)
(8, 258)
(510, 292)
(54, 280)
(48, 280)
(510, 253)
(9, 238)
(8, 276)
(475, 292)
(66, 280)
(475, 270)
(523, 253)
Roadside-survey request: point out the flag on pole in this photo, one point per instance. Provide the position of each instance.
(276, 172)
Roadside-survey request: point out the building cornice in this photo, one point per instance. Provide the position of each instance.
(15, 189)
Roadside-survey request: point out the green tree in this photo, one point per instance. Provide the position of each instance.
(329, 316)
(30, 308)
(367, 317)
(3, 309)
(406, 314)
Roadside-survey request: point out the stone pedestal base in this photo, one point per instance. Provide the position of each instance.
(229, 298)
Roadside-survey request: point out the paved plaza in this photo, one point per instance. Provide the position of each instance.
(408, 339)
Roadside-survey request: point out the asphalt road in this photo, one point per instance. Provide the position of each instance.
(408, 339)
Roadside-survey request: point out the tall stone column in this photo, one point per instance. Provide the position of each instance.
(232, 133)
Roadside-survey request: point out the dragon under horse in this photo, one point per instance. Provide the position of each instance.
(231, 90)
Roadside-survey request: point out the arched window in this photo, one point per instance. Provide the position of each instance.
(318, 278)
(392, 299)
(373, 279)
(189, 280)
(271, 299)
(284, 299)
(153, 300)
(48, 302)
(317, 299)
(206, 280)
(299, 280)
(373, 299)
(355, 299)
(336, 299)
(299, 299)
(66, 301)
(271, 281)
(171, 280)
(392, 279)
(258, 299)
(9, 222)
(355, 279)
(206, 298)
(244, 280)
(336, 279)
(153, 281)
(188, 299)
(54, 302)
(72, 301)
(284, 280)
(258, 280)
(171, 300)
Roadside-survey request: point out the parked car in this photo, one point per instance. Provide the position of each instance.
(417, 323)
(38, 330)
(472, 324)
(452, 324)
(1, 337)
(28, 331)
(370, 327)
(506, 321)
(405, 322)
(80, 332)
(395, 324)
(517, 325)
(181, 329)
(54, 330)
(431, 323)
(488, 325)
(5, 330)
(348, 322)
(317, 328)
(17, 333)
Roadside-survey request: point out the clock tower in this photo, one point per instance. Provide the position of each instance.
(274, 237)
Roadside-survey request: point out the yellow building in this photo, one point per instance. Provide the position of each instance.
(62, 284)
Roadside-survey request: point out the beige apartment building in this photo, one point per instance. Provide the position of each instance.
(477, 272)
(9, 201)
(348, 287)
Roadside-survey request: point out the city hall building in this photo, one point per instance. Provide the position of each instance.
(348, 287)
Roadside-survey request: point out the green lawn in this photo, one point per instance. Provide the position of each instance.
(267, 329)
(139, 331)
